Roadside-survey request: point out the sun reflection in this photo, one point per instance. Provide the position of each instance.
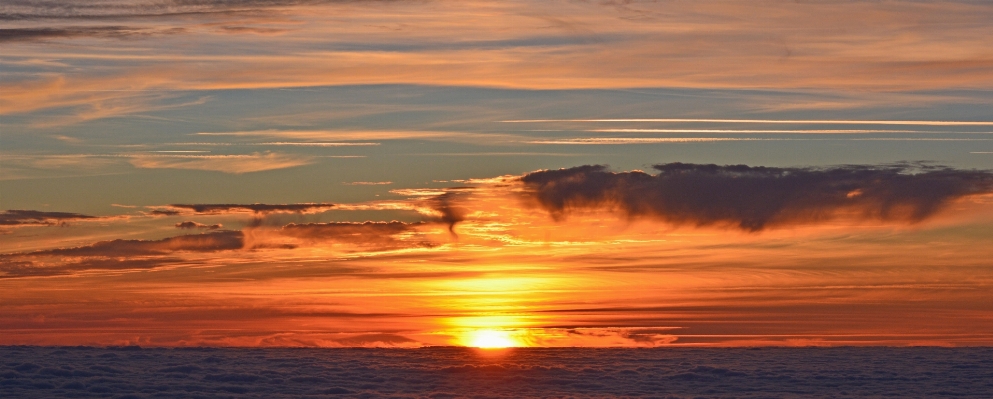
(491, 339)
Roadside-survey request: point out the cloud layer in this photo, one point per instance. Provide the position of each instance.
(308, 207)
(754, 198)
(15, 217)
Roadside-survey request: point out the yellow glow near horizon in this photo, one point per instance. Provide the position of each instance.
(491, 339)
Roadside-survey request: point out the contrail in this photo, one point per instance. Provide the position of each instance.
(834, 122)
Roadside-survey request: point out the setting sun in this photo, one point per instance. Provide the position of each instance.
(491, 339)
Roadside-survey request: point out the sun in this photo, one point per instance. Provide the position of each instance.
(491, 339)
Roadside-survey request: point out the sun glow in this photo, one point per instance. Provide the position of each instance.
(491, 339)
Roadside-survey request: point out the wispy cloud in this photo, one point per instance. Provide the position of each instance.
(236, 164)
(843, 46)
(73, 32)
(645, 140)
(195, 225)
(745, 131)
(772, 121)
(317, 136)
(368, 183)
(656, 140)
(372, 235)
(40, 218)
(213, 209)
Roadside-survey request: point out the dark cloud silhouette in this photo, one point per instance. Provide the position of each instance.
(23, 268)
(376, 340)
(16, 217)
(450, 213)
(309, 207)
(206, 242)
(334, 230)
(163, 212)
(28, 34)
(754, 198)
(86, 10)
(115, 254)
(378, 234)
(195, 225)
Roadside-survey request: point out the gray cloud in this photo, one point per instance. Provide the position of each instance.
(16, 217)
(44, 9)
(754, 198)
(450, 213)
(28, 34)
(206, 242)
(374, 234)
(195, 225)
(115, 254)
(309, 207)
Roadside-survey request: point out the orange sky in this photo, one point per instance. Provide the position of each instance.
(594, 278)
(367, 173)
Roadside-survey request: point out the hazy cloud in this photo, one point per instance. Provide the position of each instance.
(69, 32)
(16, 217)
(754, 198)
(34, 9)
(375, 234)
(115, 254)
(195, 225)
(450, 213)
(206, 242)
(306, 207)
(13, 268)
(242, 163)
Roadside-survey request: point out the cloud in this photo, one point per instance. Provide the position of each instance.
(206, 242)
(334, 230)
(195, 225)
(844, 46)
(315, 136)
(236, 164)
(367, 183)
(763, 121)
(163, 212)
(755, 198)
(29, 34)
(11, 268)
(305, 207)
(116, 255)
(16, 217)
(34, 9)
(378, 340)
(450, 213)
(370, 234)
(643, 140)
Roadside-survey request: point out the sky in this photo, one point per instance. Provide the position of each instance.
(514, 173)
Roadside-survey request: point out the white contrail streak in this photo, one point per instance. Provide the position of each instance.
(795, 121)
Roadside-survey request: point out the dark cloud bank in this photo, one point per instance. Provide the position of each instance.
(115, 255)
(72, 32)
(150, 254)
(39, 218)
(144, 9)
(308, 207)
(755, 198)
(195, 225)
(674, 373)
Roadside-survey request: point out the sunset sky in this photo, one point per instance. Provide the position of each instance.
(516, 173)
